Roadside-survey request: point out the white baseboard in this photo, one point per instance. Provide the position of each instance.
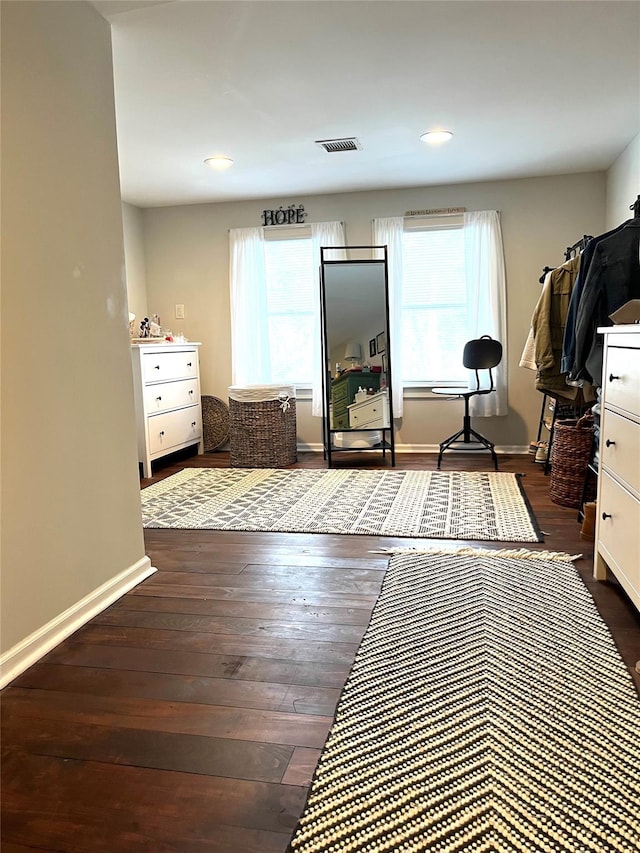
(36, 645)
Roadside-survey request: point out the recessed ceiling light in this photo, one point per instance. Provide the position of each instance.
(436, 137)
(219, 162)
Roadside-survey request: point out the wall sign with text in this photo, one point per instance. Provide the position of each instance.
(292, 215)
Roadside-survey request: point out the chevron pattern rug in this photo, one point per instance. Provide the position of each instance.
(428, 504)
(488, 709)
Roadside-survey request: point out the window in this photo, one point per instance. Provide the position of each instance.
(290, 281)
(433, 310)
(275, 305)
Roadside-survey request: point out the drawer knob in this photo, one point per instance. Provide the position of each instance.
(158, 398)
(191, 390)
(610, 443)
(606, 515)
(189, 364)
(612, 377)
(161, 432)
(193, 423)
(156, 367)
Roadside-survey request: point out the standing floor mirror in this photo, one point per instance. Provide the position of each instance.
(356, 360)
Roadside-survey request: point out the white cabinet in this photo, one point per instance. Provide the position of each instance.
(372, 413)
(166, 381)
(617, 545)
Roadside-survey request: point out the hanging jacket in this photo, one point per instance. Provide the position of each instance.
(548, 323)
(613, 279)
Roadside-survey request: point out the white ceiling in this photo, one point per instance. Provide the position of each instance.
(529, 88)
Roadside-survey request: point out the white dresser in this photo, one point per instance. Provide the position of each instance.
(166, 381)
(370, 413)
(617, 545)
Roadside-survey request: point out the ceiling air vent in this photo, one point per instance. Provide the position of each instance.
(332, 146)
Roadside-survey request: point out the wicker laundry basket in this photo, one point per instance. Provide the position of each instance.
(570, 456)
(262, 426)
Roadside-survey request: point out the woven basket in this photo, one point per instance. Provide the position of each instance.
(570, 455)
(262, 431)
(215, 423)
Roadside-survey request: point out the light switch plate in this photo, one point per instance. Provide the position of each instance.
(179, 312)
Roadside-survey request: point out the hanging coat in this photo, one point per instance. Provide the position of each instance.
(548, 323)
(569, 343)
(613, 279)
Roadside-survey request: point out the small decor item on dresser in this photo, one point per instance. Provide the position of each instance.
(570, 455)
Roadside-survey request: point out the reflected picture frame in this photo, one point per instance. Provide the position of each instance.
(372, 347)
(384, 363)
(381, 343)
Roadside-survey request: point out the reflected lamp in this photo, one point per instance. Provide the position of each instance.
(352, 353)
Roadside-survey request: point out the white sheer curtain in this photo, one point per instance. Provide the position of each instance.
(250, 358)
(388, 232)
(486, 295)
(322, 234)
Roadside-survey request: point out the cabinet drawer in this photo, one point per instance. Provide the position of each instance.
(340, 394)
(371, 413)
(161, 366)
(170, 395)
(183, 426)
(619, 448)
(341, 420)
(622, 379)
(618, 532)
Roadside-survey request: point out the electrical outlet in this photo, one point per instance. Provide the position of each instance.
(179, 312)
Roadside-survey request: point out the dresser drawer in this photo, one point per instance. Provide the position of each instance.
(620, 448)
(164, 396)
(162, 366)
(622, 379)
(341, 420)
(340, 394)
(373, 413)
(618, 532)
(173, 428)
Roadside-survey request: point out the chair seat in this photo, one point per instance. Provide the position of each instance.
(460, 392)
(451, 392)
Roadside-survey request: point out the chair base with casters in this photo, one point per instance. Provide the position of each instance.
(482, 353)
(466, 439)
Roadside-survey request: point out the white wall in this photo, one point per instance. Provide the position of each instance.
(71, 520)
(134, 261)
(187, 260)
(623, 184)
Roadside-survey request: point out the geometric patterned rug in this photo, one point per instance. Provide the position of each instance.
(488, 709)
(429, 504)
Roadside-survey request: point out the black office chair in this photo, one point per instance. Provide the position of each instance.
(483, 353)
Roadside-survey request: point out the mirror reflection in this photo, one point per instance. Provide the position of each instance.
(356, 352)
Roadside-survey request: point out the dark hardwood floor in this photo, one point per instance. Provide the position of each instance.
(190, 714)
